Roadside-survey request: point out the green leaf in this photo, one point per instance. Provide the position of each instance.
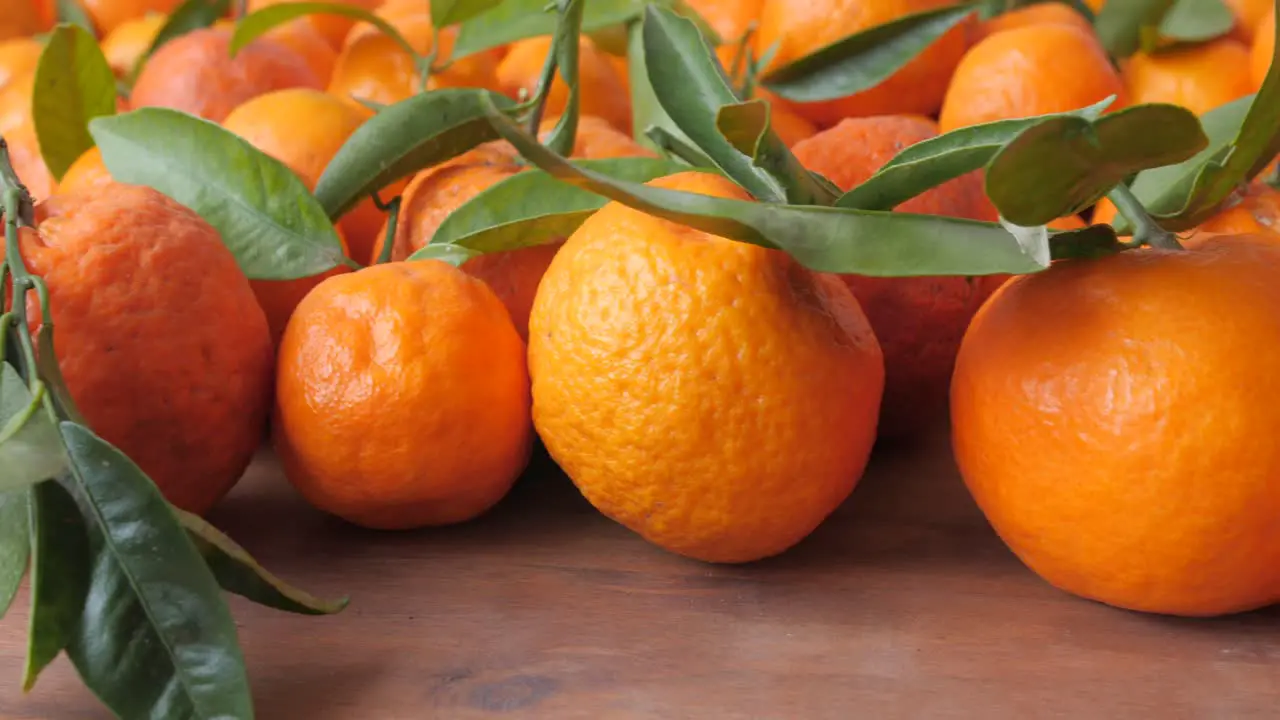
(691, 86)
(1196, 20)
(30, 449)
(59, 576)
(930, 163)
(1094, 241)
(746, 126)
(266, 216)
(1255, 144)
(988, 9)
(1126, 26)
(1064, 165)
(564, 48)
(73, 84)
(822, 238)
(647, 116)
(865, 59)
(237, 572)
(70, 11)
(513, 20)
(190, 15)
(155, 639)
(405, 137)
(451, 12)
(255, 24)
(15, 545)
(444, 252)
(534, 208)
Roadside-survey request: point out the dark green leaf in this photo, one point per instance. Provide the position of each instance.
(73, 84)
(444, 252)
(1196, 20)
(190, 15)
(744, 125)
(930, 163)
(673, 148)
(650, 121)
(237, 572)
(691, 86)
(266, 216)
(406, 137)
(156, 639)
(988, 9)
(255, 24)
(822, 238)
(15, 545)
(70, 11)
(1066, 164)
(451, 12)
(534, 208)
(747, 127)
(30, 449)
(565, 51)
(1094, 241)
(1255, 145)
(59, 576)
(513, 20)
(1126, 26)
(865, 59)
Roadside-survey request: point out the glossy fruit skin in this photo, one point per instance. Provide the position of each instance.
(1039, 14)
(714, 397)
(196, 74)
(1106, 417)
(800, 27)
(184, 392)
(402, 397)
(1256, 210)
(436, 192)
(1026, 71)
(1250, 16)
(1199, 78)
(125, 44)
(918, 320)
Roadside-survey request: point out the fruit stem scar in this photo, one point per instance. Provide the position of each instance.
(1145, 230)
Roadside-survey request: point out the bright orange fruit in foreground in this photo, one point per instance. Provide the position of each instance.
(600, 90)
(1039, 14)
(1026, 71)
(1106, 416)
(803, 26)
(715, 397)
(1198, 77)
(436, 192)
(402, 397)
(184, 392)
(195, 73)
(918, 320)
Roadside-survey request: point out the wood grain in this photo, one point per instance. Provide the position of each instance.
(903, 605)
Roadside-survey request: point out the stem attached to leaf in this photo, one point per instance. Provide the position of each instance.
(392, 209)
(1145, 230)
(547, 77)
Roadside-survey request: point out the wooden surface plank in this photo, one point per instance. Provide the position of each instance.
(903, 605)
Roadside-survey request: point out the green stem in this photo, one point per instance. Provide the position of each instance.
(393, 220)
(545, 80)
(1145, 230)
(740, 55)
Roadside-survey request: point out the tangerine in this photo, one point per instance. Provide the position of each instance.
(1198, 77)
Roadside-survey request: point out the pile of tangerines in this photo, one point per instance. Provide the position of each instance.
(1110, 416)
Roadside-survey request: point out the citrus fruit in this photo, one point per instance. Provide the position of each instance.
(436, 192)
(918, 320)
(1256, 210)
(1249, 17)
(20, 18)
(158, 336)
(18, 57)
(600, 89)
(130, 40)
(402, 397)
(1264, 48)
(1115, 448)
(15, 101)
(303, 38)
(1037, 14)
(28, 162)
(107, 15)
(714, 397)
(1199, 77)
(1026, 71)
(372, 66)
(86, 172)
(195, 73)
(333, 28)
(799, 27)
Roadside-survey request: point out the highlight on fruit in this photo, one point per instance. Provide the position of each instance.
(711, 255)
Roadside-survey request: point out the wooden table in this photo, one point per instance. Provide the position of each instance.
(903, 605)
